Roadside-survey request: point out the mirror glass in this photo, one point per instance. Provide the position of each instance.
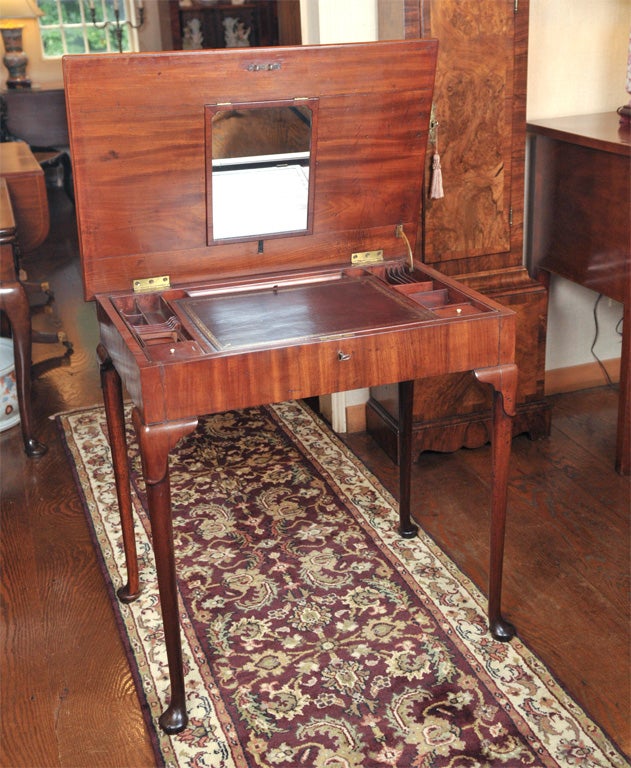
(261, 169)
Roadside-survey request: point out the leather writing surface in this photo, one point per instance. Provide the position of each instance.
(282, 315)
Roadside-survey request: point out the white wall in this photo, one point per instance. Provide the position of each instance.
(577, 56)
(338, 21)
(577, 64)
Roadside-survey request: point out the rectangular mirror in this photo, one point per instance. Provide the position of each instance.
(260, 169)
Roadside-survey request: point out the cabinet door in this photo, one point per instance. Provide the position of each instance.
(475, 106)
(203, 25)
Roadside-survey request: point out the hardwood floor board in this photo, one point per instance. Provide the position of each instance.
(584, 649)
(579, 520)
(564, 455)
(24, 693)
(588, 424)
(567, 562)
(450, 501)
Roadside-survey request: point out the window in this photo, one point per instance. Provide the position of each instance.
(66, 27)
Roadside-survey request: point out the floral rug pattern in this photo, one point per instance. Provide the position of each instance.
(314, 635)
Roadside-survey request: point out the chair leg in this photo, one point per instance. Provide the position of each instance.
(14, 303)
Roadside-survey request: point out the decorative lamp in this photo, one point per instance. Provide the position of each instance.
(13, 16)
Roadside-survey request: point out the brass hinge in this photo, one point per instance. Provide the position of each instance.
(146, 284)
(516, 6)
(367, 257)
(510, 216)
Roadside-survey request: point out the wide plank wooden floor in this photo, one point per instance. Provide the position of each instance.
(67, 697)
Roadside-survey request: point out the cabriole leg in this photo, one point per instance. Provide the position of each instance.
(155, 443)
(503, 379)
(115, 415)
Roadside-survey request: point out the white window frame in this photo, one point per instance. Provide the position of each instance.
(130, 12)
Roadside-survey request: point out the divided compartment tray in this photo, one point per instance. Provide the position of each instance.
(441, 300)
(151, 318)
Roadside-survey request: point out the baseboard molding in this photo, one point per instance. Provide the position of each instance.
(343, 418)
(583, 376)
(356, 418)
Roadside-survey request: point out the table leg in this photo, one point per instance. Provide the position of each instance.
(156, 441)
(115, 414)
(407, 528)
(503, 379)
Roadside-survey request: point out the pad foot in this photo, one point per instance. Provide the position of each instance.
(502, 630)
(409, 531)
(125, 596)
(173, 719)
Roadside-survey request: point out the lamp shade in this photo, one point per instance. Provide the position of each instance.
(19, 9)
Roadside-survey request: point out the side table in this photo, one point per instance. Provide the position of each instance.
(37, 115)
(581, 227)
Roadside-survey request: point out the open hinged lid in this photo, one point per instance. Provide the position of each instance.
(236, 162)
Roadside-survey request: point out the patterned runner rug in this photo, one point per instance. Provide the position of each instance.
(313, 634)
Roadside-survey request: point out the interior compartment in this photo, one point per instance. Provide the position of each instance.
(443, 301)
(151, 318)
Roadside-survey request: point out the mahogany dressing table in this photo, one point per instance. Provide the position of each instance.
(202, 310)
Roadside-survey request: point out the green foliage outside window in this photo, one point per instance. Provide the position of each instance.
(66, 27)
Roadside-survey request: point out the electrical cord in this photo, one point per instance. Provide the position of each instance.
(610, 383)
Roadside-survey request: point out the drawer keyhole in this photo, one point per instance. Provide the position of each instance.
(343, 356)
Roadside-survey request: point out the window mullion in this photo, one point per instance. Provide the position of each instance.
(59, 31)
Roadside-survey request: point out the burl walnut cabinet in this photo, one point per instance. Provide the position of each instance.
(475, 232)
